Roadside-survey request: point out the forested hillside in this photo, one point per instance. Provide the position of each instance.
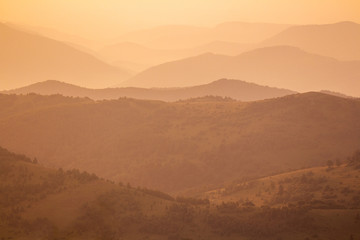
(175, 146)
(41, 203)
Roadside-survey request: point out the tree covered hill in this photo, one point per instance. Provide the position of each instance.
(236, 89)
(42, 203)
(176, 146)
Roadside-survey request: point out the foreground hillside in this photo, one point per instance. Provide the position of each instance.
(334, 186)
(40, 203)
(175, 146)
(235, 89)
(28, 58)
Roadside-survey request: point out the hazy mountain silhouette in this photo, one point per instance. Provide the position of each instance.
(339, 40)
(234, 89)
(175, 146)
(280, 66)
(169, 43)
(148, 57)
(150, 47)
(336, 94)
(79, 43)
(182, 36)
(70, 39)
(27, 58)
(136, 53)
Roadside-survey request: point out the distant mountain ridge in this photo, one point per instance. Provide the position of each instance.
(235, 89)
(161, 44)
(168, 43)
(148, 57)
(339, 40)
(280, 66)
(183, 36)
(27, 58)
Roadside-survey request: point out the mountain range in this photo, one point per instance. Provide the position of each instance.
(162, 44)
(27, 58)
(234, 89)
(181, 145)
(339, 40)
(144, 57)
(281, 66)
(183, 36)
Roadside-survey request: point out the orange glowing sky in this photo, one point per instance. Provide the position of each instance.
(100, 19)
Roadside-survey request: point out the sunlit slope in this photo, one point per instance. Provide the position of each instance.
(335, 187)
(280, 66)
(331, 193)
(235, 89)
(174, 146)
(28, 58)
(41, 203)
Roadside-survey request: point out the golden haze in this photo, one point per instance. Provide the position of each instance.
(106, 19)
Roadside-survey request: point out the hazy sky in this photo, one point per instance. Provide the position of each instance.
(109, 18)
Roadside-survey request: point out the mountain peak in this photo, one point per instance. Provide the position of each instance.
(347, 23)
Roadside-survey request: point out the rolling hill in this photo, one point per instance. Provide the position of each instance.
(335, 186)
(27, 58)
(339, 40)
(176, 146)
(234, 89)
(42, 203)
(281, 66)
